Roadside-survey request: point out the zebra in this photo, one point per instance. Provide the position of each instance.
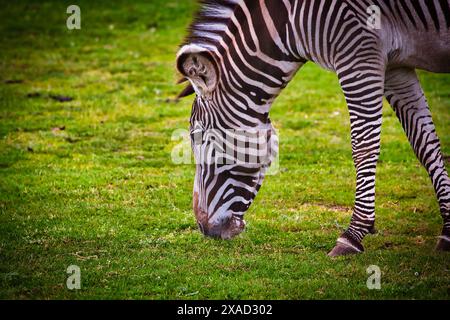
(240, 54)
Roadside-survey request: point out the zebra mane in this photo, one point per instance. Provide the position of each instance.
(210, 21)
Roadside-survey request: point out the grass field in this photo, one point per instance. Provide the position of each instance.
(90, 181)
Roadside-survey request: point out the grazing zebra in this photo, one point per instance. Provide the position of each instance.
(240, 54)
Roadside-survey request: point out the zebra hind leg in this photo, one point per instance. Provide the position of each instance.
(404, 93)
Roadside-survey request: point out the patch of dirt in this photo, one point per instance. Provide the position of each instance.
(33, 95)
(58, 129)
(334, 207)
(71, 140)
(388, 245)
(61, 98)
(13, 81)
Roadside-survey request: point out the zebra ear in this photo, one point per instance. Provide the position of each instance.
(186, 91)
(199, 66)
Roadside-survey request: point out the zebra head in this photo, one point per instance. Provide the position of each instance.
(233, 144)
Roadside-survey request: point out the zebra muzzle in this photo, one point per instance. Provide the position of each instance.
(234, 227)
(227, 229)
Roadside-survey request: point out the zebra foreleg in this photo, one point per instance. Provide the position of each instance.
(364, 95)
(404, 93)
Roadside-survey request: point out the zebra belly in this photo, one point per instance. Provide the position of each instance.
(428, 52)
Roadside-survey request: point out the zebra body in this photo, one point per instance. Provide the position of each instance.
(240, 54)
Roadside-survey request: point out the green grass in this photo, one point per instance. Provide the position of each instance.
(103, 193)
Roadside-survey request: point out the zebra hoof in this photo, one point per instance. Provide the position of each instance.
(345, 247)
(443, 244)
